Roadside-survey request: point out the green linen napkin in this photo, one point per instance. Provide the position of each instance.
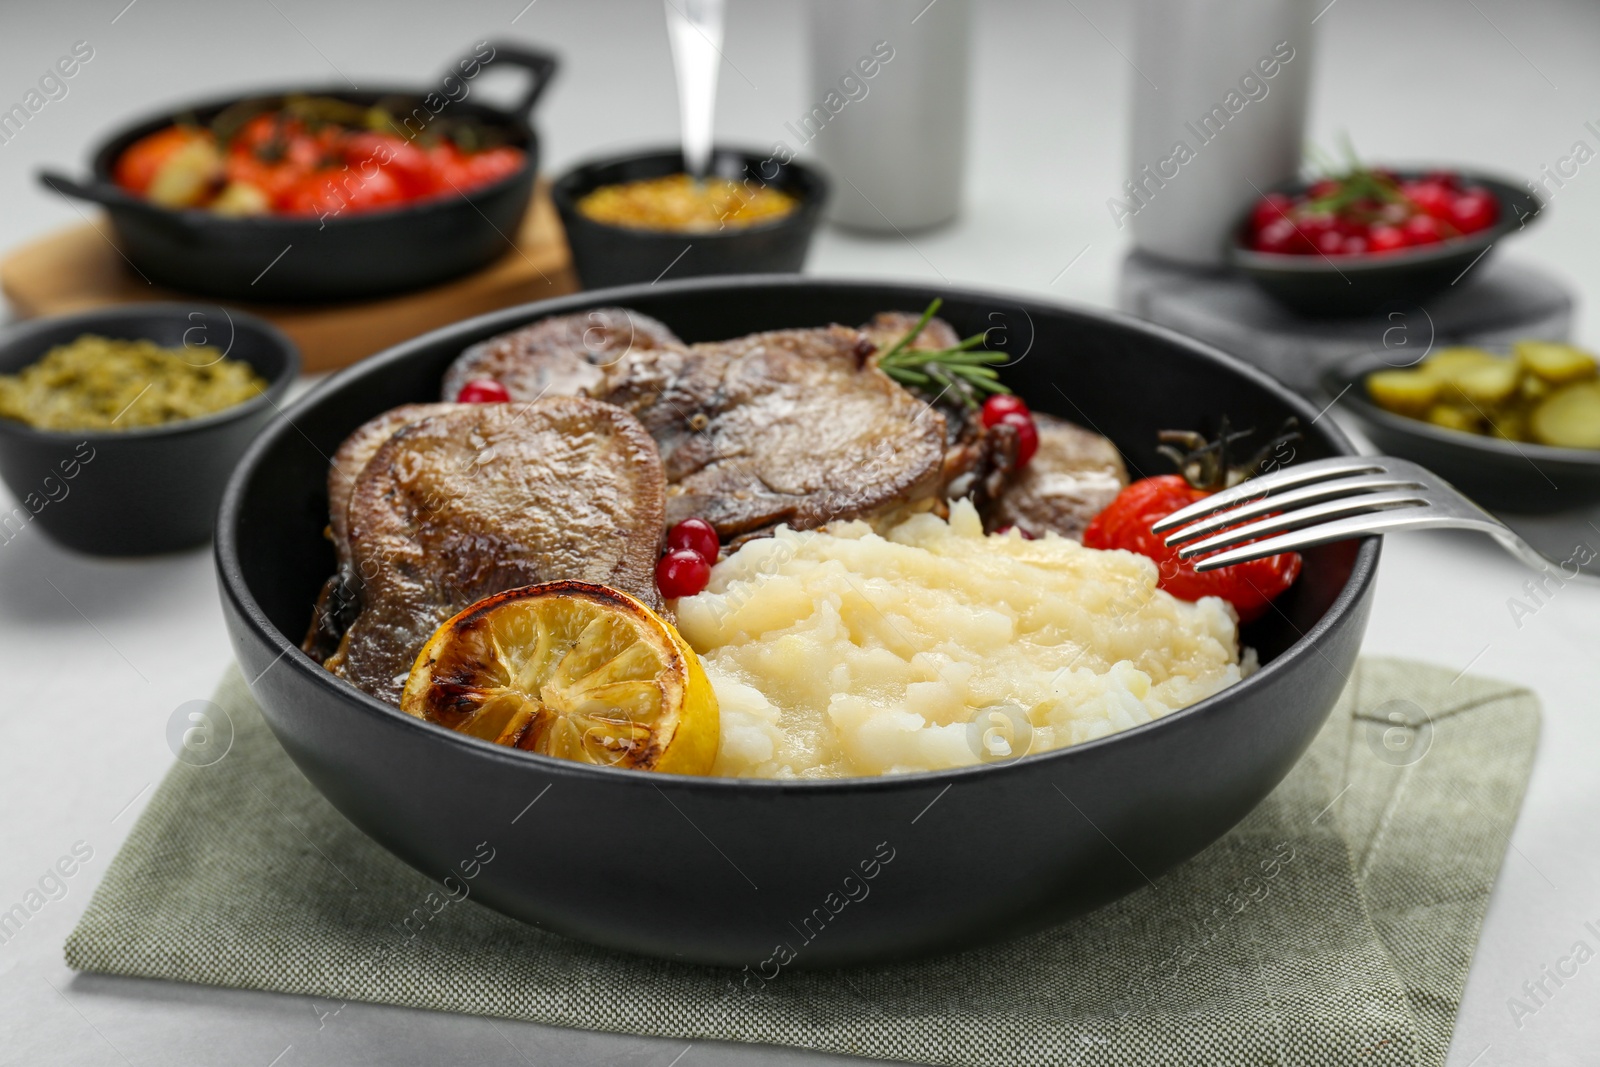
(1335, 924)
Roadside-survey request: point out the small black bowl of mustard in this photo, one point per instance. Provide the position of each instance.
(642, 218)
(119, 427)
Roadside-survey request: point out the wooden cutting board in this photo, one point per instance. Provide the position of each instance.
(78, 268)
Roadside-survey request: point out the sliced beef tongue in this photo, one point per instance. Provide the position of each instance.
(793, 426)
(339, 602)
(1071, 478)
(887, 327)
(564, 355)
(978, 460)
(481, 498)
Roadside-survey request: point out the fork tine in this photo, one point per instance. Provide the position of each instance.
(1293, 520)
(1341, 487)
(1338, 530)
(1316, 470)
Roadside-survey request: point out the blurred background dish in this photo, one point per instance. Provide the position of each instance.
(332, 254)
(1500, 474)
(1319, 285)
(607, 253)
(148, 489)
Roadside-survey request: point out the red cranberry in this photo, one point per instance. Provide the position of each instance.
(1027, 435)
(998, 406)
(1269, 209)
(1474, 209)
(483, 391)
(1329, 242)
(696, 535)
(1433, 197)
(1423, 230)
(1278, 237)
(682, 572)
(1386, 239)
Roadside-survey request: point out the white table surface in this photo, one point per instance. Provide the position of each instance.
(95, 655)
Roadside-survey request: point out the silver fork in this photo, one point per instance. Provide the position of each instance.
(1327, 500)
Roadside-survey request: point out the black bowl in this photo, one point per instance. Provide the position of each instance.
(606, 255)
(722, 870)
(145, 490)
(1334, 287)
(1511, 476)
(349, 256)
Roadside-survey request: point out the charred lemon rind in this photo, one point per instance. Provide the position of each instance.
(571, 670)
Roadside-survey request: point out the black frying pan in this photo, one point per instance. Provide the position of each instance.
(349, 256)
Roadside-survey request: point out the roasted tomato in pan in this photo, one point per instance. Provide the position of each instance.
(1125, 523)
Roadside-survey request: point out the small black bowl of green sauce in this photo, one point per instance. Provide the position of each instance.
(119, 427)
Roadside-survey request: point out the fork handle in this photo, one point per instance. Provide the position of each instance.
(1532, 557)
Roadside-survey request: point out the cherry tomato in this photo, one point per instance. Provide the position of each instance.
(1475, 209)
(279, 181)
(696, 535)
(999, 406)
(1354, 245)
(1126, 522)
(335, 191)
(682, 572)
(1386, 239)
(1027, 435)
(483, 391)
(405, 162)
(492, 164)
(136, 167)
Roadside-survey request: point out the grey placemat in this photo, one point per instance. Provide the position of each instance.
(1334, 925)
(1502, 301)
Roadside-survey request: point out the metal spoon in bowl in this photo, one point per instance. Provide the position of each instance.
(694, 28)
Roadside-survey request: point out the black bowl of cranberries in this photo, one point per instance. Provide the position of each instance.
(1352, 243)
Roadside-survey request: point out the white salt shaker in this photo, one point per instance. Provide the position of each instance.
(1220, 91)
(887, 113)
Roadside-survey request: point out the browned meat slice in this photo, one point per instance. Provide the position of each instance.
(338, 601)
(487, 497)
(887, 327)
(977, 459)
(564, 355)
(794, 426)
(352, 458)
(790, 427)
(1070, 480)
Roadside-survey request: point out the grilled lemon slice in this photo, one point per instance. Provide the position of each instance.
(570, 670)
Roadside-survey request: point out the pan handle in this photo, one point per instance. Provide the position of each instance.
(541, 68)
(95, 192)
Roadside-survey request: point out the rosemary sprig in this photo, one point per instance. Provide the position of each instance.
(963, 368)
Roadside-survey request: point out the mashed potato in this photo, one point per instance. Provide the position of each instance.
(840, 653)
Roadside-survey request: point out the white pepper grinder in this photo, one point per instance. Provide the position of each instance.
(1220, 91)
(887, 115)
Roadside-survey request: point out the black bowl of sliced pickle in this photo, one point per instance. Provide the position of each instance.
(119, 427)
(1517, 430)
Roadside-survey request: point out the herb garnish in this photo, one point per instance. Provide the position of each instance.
(963, 368)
